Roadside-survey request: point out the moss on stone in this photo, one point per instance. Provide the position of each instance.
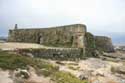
(90, 45)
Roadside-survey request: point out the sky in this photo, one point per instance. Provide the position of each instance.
(102, 17)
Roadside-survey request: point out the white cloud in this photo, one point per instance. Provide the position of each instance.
(98, 15)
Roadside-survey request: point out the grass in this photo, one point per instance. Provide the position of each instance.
(12, 61)
(45, 68)
(65, 77)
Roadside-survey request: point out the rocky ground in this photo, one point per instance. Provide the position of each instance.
(95, 70)
(9, 77)
(109, 68)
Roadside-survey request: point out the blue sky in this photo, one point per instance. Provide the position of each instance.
(102, 17)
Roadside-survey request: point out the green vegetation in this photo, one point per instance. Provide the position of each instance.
(13, 61)
(45, 68)
(101, 43)
(65, 77)
(90, 44)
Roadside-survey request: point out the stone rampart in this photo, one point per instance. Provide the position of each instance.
(61, 36)
(62, 54)
(69, 36)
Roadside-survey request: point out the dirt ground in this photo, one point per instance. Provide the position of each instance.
(93, 69)
(16, 45)
(13, 45)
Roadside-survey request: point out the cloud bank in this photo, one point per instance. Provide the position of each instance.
(102, 17)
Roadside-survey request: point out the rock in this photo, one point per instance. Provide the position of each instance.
(24, 74)
(119, 70)
(98, 73)
(85, 75)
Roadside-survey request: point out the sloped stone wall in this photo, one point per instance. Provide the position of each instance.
(62, 54)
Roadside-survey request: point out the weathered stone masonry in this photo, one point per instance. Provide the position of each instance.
(63, 53)
(69, 36)
(104, 43)
(66, 36)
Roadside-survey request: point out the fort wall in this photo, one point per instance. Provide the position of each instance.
(76, 37)
(62, 54)
(104, 43)
(62, 36)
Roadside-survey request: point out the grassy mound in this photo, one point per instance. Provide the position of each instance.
(13, 61)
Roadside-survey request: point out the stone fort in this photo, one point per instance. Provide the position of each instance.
(68, 36)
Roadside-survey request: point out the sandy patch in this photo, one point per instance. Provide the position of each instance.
(5, 77)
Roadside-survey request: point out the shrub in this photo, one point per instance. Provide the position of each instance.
(13, 61)
(45, 68)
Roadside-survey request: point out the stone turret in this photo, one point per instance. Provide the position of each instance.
(16, 26)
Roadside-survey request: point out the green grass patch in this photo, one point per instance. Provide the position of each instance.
(65, 77)
(45, 68)
(13, 61)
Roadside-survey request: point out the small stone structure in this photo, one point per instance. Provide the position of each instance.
(69, 36)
